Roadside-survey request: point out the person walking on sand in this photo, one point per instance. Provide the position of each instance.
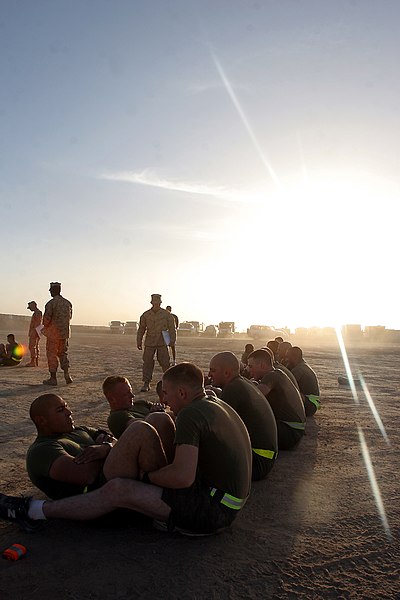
(56, 327)
(159, 326)
(173, 349)
(33, 336)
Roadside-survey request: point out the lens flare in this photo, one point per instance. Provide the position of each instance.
(245, 121)
(374, 484)
(373, 408)
(347, 364)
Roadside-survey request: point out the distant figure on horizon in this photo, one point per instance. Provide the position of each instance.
(11, 353)
(34, 337)
(159, 326)
(56, 327)
(306, 378)
(173, 350)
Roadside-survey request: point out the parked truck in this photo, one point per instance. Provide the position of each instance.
(226, 329)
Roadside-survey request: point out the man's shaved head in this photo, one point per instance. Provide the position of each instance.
(41, 405)
(227, 360)
(224, 367)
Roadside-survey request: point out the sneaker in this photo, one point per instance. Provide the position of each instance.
(15, 509)
(50, 381)
(172, 363)
(145, 387)
(68, 379)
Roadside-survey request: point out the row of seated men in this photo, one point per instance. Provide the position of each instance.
(190, 467)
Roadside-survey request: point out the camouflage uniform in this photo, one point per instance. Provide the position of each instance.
(154, 323)
(56, 321)
(34, 338)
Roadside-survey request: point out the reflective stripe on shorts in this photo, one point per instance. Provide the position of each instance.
(229, 500)
(315, 400)
(294, 425)
(265, 453)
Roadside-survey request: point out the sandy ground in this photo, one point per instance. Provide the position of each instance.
(311, 530)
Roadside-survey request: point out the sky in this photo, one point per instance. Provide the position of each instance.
(239, 157)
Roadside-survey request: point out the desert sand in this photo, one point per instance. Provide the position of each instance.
(311, 530)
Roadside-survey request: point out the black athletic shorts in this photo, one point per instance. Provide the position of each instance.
(261, 466)
(196, 510)
(288, 437)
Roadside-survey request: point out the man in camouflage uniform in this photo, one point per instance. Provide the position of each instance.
(159, 325)
(56, 322)
(33, 335)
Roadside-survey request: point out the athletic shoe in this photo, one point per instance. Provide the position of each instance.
(172, 363)
(162, 526)
(15, 509)
(68, 379)
(145, 387)
(50, 381)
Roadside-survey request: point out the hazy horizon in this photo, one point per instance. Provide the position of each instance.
(238, 158)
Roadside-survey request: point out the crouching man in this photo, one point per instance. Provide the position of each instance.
(200, 492)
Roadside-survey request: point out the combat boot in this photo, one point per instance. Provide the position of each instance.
(68, 378)
(52, 379)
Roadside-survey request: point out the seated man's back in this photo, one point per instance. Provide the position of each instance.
(256, 413)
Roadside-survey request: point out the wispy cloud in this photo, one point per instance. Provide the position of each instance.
(149, 178)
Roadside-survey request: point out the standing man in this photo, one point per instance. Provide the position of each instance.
(159, 326)
(173, 351)
(33, 335)
(56, 322)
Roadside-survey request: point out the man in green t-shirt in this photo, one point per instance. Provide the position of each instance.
(252, 407)
(65, 460)
(201, 491)
(306, 378)
(124, 407)
(283, 396)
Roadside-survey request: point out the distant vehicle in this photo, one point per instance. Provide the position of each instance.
(211, 331)
(116, 327)
(226, 329)
(186, 329)
(131, 328)
(197, 326)
(265, 332)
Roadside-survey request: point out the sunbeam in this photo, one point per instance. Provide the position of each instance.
(243, 117)
(374, 483)
(347, 364)
(373, 409)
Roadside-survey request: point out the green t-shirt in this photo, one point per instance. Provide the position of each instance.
(223, 442)
(46, 449)
(284, 397)
(306, 379)
(254, 410)
(118, 419)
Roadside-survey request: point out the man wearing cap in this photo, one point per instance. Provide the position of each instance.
(159, 326)
(33, 335)
(56, 322)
